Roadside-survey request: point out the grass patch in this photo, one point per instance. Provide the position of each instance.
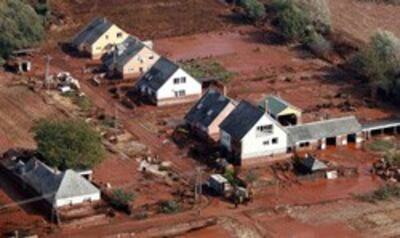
(381, 145)
(169, 207)
(383, 193)
(207, 69)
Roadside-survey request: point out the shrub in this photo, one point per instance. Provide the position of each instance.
(319, 45)
(121, 199)
(68, 144)
(318, 12)
(292, 21)
(169, 207)
(383, 193)
(254, 9)
(20, 27)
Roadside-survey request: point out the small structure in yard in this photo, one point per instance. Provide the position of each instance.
(207, 114)
(130, 59)
(249, 132)
(310, 164)
(219, 184)
(282, 111)
(58, 188)
(98, 37)
(166, 83)
(319, 135)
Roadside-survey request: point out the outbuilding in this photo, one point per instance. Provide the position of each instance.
(320, 134)
(282, 111)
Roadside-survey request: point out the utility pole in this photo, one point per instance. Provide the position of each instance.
(48, 58)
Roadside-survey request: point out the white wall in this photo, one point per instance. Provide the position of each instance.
(253, 145)
(77, 200)
(191, 87)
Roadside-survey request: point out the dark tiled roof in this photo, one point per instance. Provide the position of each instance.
(207, 108)
(323, 129)
(92, 32)
(161, 71)
(123, 52)
(241, 120)
(313, 164)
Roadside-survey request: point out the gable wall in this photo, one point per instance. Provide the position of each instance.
(141, 60)
(167, 91)
(252, 145)
(100, 46)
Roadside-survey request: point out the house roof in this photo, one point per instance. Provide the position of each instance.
(124, 52)
(313, 164)
(158, 74)
(241, 120)
(323, 129)
(207, 108)
(275, 105)
(92, 31)
(53, 183)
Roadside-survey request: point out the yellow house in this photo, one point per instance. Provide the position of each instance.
(98, 37)
(130, 59)
(282, 111)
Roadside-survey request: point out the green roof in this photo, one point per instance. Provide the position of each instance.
(275, 105)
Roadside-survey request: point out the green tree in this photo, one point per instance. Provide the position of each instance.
(379, 62)
(20, 26)
(254, 9)
(69, 144)
(121, 199)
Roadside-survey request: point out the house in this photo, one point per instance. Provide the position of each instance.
(208, 113)
(318, 135)
(249, 132)
(166, 83)
(98, 37)
(130, 59)
(282, 111)
(57, 188)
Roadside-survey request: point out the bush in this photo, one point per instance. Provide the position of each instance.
(254, 9)
(384, 193)
(319, 45)
(169, 207)
(298, 19)
(379, 62)
(121, 199)
(68, 144)
(292, 21)
(20, 27)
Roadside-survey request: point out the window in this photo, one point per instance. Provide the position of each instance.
(151, 57)
(275, 140)
(106, 37)
(180, 93)
(266, 142)
(179, 80)
(119, 34)
(264, 130)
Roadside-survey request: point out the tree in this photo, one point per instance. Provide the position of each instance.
(68, 144)
(20, 27)
(292, 21)
(379, 62)
(318, 12)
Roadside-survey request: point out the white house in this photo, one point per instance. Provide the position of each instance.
(249, 132)
(166, 83)
(57, 188)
